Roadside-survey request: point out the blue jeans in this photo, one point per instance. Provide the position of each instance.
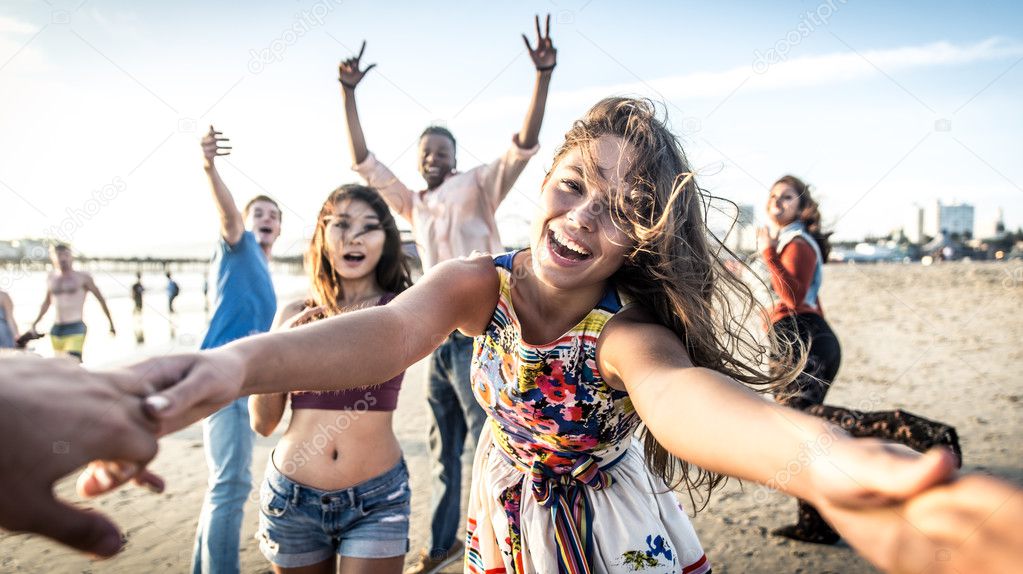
(227, 441)
(456, 416)
(301, 526)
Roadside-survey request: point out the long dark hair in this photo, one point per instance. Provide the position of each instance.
(392, 271)
(809, 213)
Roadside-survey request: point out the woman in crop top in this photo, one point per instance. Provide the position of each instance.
(336, 492)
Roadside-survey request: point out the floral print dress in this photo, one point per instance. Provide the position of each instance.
(559, 484)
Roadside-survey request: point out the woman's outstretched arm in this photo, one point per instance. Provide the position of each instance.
(352, 350)
(703, 416)
(266, 411)
(897, 508)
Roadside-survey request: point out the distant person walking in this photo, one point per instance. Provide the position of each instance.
(244, 304)
(794, 249)
(68, 288)
(173, 290)
(136, 296)
(136, 292)
(8, 328)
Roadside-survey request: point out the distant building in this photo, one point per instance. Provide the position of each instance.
(25, 249)
(9, 251)
(992, 228)
(913, 230)
(951, 219)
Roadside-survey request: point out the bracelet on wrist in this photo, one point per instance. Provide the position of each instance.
(347, 85)
(545, 68)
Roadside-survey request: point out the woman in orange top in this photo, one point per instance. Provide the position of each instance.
(795, 249)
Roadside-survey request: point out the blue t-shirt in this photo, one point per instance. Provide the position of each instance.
(244, 301)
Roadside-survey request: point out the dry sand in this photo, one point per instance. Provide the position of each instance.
(940, 341)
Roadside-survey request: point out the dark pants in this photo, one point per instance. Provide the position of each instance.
(824, 355)
(807, 392)
(456, 416)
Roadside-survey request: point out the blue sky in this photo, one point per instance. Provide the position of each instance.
(879, 105)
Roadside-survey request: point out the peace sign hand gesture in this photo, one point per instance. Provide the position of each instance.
(545, 56)
(349, 73)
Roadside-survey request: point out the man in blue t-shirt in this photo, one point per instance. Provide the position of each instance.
(244, 304)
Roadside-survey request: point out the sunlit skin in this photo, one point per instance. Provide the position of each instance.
(354, 243)
(66, 289)
(874, 494)
(61, 259)
(436, 159)
(263, 219)
(573, 213)
(782, 209)
(436, 154)
(782, 205)
(436, 162)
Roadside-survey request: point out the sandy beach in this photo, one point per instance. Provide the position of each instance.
(940, 341)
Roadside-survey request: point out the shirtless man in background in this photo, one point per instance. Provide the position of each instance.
(68, 288)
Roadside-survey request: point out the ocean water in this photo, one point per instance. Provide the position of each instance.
(155, 331)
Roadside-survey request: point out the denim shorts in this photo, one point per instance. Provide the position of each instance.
(301, 526)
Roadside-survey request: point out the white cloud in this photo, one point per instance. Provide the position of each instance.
(826, 69)
(118, 23)
(9, 25)
(19, 57)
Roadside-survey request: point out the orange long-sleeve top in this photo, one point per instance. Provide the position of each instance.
(791, 274)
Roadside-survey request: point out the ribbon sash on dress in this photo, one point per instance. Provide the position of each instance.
(571, 512)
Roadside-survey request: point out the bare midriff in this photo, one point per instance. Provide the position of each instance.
(68, 294)
(335, 449)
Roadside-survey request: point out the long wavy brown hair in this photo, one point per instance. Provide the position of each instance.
(809, 212)
(674, 270)
(392, 271)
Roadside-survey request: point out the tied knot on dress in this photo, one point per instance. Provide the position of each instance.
(563, 494)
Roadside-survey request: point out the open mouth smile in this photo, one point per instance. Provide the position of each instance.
(354, 257)
(566, 248)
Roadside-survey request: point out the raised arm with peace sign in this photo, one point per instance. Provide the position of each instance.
(545, 56)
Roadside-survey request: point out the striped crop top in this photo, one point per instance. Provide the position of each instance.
(382, 397)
